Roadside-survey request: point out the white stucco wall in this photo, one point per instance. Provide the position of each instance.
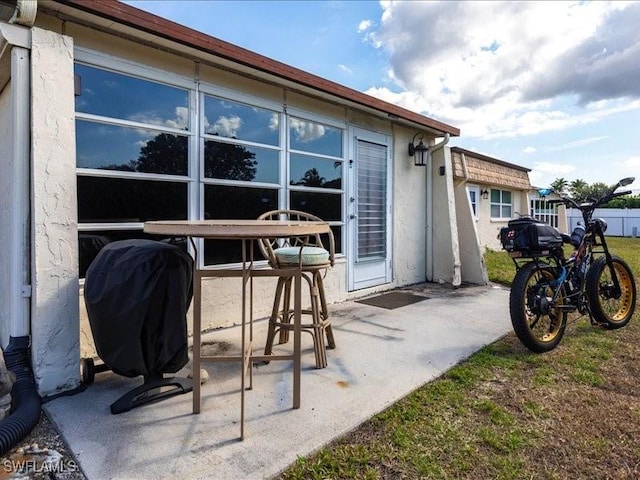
(445, 240)
(54, 321)
(6, 157)
(489, 228)
(221, 297)
(473, 268)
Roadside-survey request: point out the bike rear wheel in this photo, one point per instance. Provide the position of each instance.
(538, 321)
(607, 307)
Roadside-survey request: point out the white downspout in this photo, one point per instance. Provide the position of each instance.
(20, 208)
(429, 230)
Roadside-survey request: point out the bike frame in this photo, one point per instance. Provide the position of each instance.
(577, 265)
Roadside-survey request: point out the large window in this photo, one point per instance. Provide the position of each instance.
(501, 204)
(132, 156)
(144, 153)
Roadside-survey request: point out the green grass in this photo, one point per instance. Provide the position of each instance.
(506, 413)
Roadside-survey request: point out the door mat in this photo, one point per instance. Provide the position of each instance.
(393, 300)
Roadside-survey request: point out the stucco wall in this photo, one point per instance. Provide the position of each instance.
(473, 269)
(222, 297)
(6, 157)
(409, 214)
(488, 228)
(443, 219)
(55, 345)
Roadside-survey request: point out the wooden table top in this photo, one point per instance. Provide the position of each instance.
(236, 229)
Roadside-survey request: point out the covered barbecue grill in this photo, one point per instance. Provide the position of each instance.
(137, 293)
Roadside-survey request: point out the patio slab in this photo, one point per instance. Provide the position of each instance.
(381, 356)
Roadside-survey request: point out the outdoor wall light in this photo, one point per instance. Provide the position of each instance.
(485, 194)
(420, 152)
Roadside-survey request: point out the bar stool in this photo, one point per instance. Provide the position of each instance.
(309, 254)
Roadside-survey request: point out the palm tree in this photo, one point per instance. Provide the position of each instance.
(578, 189)
(560, 184)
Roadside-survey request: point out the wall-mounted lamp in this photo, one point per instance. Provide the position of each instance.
(485, 194)
(420, 152)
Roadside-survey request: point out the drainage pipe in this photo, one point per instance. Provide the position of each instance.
(25, 400)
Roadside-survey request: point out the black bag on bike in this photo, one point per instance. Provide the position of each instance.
(529, 236)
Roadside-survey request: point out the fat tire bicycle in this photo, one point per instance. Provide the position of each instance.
(548, 285)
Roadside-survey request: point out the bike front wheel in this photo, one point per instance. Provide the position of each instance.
(608, 306)
(537, 317)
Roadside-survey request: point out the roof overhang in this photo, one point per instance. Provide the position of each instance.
(114, 17)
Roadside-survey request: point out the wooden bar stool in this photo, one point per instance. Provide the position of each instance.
(309, 254)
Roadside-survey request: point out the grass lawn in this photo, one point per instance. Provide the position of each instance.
(506, 413)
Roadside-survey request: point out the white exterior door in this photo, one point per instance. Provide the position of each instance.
(369, 209)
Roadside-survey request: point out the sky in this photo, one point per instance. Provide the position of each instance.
(552, 86)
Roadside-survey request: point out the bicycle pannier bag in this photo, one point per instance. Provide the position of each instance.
(529, 236)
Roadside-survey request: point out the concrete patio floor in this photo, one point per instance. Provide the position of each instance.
(381, 356)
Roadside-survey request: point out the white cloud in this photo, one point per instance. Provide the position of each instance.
(182, 119)
(307, 131)
(345, 69)
(364, 25)
(575, 144)
(632, 163)
(504, 69)
(226, 126)
(529, 149)
(543, 173)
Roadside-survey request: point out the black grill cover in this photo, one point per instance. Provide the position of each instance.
(137, 293)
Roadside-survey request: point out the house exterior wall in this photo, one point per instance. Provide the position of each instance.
(489, 228)
(473, 268)
(445, 249)
(54, 315)
(6, 159)
(60, 327)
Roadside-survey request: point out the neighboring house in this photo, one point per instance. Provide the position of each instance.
(555, 214)
(497, 191)
(110, 116)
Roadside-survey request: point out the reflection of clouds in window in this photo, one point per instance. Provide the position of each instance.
(274, 122)
(306, 131)
(227, 126)
(110, 84)
(141, 144)
(181, 120)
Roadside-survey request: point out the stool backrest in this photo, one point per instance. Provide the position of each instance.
(268, 245)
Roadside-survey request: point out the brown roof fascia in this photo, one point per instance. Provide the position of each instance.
(132, 17)
(489, 159)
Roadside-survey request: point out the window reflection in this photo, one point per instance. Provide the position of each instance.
(224, 202)
(90, 243)
(315, 138)
(324, 205)
(121, 96)
(111, 147)
(229, 119)
(236, 162)
(103, 199)
(309, 171)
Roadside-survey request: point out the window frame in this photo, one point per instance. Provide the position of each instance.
(475, 205)
(539, 208)
(501, 204)
(196, 138)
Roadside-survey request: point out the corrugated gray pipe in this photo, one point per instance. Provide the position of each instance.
(25, 400)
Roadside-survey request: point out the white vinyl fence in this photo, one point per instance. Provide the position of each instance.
(622, 222)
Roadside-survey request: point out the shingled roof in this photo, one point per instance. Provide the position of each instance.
(475, 167)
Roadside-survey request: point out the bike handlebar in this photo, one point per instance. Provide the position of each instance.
(570, 202)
